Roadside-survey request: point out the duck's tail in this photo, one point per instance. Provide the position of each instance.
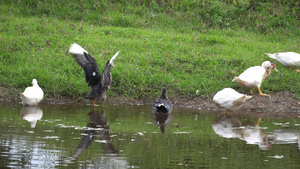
(24, 99)
(241, 100)
(236, 79)
(248, 97)
(273, 56)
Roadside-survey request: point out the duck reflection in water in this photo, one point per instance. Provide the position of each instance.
(31, 114)
(286, 136)
(98, 126)
(227, 126)
(162, 120)
(230, 127)
(161, 111)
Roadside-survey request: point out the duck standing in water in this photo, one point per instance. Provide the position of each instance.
(99, 83)
(32, 95)
(288, 59)
(254, 76)
(162, 104)
(229, 99)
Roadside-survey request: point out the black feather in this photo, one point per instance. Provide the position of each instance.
(92, 75)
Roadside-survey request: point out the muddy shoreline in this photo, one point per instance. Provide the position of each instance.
(281, 105)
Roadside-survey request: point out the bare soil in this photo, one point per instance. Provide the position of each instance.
(278, 105)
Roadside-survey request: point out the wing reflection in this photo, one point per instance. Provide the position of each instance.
(31, 114)
(161, 120)
(98, 127)
(230, 127)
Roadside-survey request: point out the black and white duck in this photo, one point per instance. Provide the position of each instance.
(99, 84)
(162, 104)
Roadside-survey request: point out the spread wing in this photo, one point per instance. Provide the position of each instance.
(106, 78)
(87, 62)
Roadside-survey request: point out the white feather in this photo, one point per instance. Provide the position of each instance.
(111, 61)
(76, 49)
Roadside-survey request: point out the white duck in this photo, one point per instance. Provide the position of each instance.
(32, 95)
(288, 59)
(254, 76)
(229, 99)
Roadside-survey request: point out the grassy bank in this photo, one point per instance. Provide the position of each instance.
(182, 45)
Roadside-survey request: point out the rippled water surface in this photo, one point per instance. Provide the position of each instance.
(129, 136)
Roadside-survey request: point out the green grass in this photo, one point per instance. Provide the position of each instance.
(184, 46)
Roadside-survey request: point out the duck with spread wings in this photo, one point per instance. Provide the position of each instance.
(99, 83)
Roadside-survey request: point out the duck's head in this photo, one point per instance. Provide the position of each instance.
(269, 65)
(34, 82)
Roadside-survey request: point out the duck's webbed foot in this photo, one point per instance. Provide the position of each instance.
(260, 93)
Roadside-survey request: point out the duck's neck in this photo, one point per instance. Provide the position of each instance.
(268, 71)
(164, 94)
(266, 74)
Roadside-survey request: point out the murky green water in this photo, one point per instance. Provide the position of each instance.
(127, 136)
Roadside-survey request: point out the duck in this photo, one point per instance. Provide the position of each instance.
(254, 76)
(32, 95)
(288, 59)
(229, 99)
(162, 104)
(99, 83)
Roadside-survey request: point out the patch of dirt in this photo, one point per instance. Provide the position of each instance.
(281, 105)
(279, 102)
(277, 105)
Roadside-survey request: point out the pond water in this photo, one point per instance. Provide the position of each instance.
(129, 136)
